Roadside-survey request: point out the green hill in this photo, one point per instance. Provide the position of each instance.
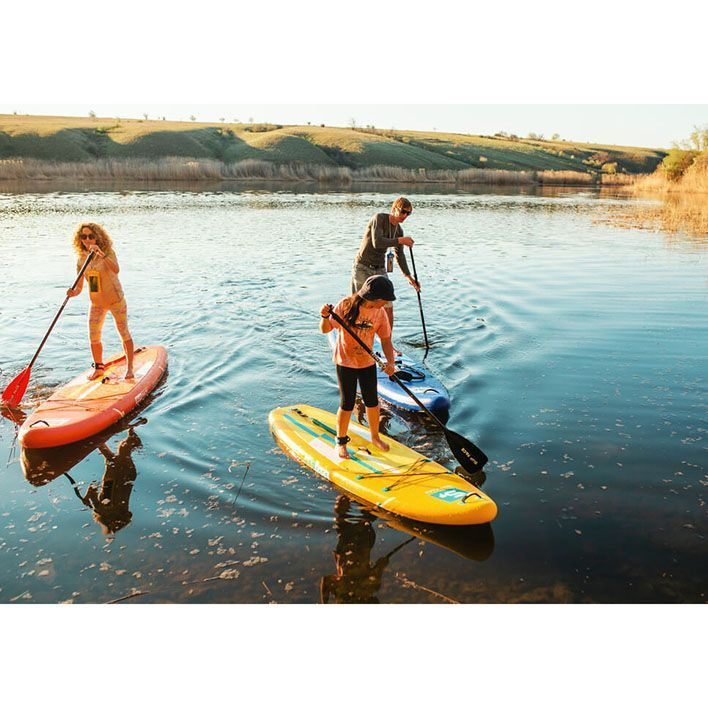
(60, 139)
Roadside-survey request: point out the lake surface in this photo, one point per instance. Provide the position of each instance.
(574, 353)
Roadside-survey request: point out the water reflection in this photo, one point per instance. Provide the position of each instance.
(357, 579)
(109, 501)
(474, 543)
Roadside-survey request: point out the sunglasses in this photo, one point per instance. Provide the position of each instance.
(406, 212)
(85, 236)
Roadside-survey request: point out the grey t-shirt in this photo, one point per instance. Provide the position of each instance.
(380, 235)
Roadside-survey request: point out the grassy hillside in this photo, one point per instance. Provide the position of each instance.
(61, 139)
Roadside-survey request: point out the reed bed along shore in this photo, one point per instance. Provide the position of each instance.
(693, 181)
(176, 169)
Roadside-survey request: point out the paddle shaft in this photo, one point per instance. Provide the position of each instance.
(61, 309)
(420, 302)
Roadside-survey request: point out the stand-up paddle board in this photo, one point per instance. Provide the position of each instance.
(400, 481)
(83, 408)
(416, 375)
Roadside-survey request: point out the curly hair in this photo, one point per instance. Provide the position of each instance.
(103, 240)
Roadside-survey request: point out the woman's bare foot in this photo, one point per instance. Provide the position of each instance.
(98, 370)
(342, 451)
(381, 444)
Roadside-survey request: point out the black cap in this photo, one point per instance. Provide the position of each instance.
(377, 287)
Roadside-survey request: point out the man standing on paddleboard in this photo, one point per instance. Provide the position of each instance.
(383, 232)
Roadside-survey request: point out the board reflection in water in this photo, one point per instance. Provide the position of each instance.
(358, 579)
(110, 500)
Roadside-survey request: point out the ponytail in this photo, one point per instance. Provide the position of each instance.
(350, 308)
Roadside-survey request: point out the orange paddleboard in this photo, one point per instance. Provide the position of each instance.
(83, 408)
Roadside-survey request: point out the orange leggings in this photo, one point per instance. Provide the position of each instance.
(97, 316)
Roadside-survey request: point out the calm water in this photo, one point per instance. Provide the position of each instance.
(574, 352)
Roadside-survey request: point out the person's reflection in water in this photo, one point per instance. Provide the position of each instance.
(110, 503)
(357, 579)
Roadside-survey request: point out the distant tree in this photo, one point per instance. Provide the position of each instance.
(309, 123)
(192, 118)
(163, 118)
(352, 123)
(92, 114)
(222, 119)
(250, 120)
(322, 125)
(697, 140)
(555, 136)
(145, 115)
(236, 120)
(677, 162)
(535, 136)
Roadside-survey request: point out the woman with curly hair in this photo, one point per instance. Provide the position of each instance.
(105, 292)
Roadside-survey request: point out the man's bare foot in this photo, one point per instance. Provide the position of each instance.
(342, 451)
(98, 370)
(381, 444)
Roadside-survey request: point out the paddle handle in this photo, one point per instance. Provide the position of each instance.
(381, 363)
(61, 309)
(420, 302)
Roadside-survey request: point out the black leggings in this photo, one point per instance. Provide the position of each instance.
(348, 379)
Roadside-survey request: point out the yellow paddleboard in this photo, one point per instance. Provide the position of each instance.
(400, 481)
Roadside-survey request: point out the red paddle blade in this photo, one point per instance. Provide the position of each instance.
(12, 395)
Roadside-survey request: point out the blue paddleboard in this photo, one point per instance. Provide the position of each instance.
(423, 383)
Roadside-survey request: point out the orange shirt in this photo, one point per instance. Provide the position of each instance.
(103, 284)
(347, 351)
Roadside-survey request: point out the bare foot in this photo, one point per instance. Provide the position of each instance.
(342, 451)
(129, 374)
(381, 444)
(97, 372)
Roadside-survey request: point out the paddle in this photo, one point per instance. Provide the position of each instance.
(12, 395)
(470, 457)
(420, 302)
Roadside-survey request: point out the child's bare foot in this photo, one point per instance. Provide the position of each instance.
(98, 370)
(381, 444)
(129, 374)
(342, 451)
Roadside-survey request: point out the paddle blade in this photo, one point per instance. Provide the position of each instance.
(470, 457)
(12, 395)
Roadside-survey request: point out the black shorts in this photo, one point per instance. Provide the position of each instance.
(348, 379)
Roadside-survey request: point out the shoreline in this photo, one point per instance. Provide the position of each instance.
(174, 169)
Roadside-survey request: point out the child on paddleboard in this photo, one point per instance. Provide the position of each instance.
(364, 313)
(105, 292)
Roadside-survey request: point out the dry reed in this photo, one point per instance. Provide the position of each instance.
(195, 169)
(693, 181)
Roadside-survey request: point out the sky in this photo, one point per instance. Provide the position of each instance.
(641, 125)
